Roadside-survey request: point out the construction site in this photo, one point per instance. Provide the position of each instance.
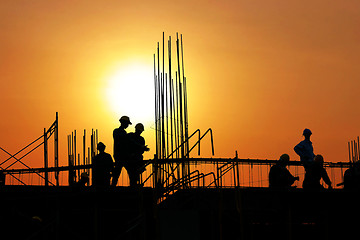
(180, 197)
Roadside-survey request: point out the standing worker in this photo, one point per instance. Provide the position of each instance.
(102, 168)
(121, 143)
(305, 150)
(137, 148)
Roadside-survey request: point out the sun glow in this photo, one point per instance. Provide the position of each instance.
(130, 91)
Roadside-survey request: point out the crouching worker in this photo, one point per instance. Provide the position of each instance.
(103, 167)
(315, 173)
(352, 177)
(279, 175)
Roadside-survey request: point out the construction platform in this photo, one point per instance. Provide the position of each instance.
(36, 212)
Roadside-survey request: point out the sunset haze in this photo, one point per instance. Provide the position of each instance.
(258, 72)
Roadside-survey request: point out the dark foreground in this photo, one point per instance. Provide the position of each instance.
(125, 213)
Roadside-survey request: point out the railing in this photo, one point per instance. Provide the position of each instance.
(236, 173)
(173, 177)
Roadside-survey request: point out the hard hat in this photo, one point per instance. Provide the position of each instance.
(307, 132)
(101, 145)
(139, 126)
(125, 119)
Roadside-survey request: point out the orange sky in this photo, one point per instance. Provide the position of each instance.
(258, 72)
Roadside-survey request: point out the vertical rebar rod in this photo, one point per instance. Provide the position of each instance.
(170, 95)
(84, 146)
(56, 147)
(352, 151)
(174, 114)
(92, 143)
(89, 155)
(166, 115)
(159, 100)
(180, 97)
(185, 97)
(355, 152)
(75, 155)
(155, 108)
(358, 146)
(163, 103)
(69, 157)
(162, 118)
(46, 158)
(96, 139)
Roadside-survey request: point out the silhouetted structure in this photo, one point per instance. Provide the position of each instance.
(103, 167)
(315, 173)
(204, 198)
(137, 148)
(279, 175)
(305, 149)
(75, 161)
(121, 148)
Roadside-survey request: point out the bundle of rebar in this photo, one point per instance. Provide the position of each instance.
(171, 113)
(354, 150)
(74, 158)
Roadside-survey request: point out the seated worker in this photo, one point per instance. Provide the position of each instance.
(352, 177)
(102, 167)
(279, 175)
(315, 173)
(83, 181)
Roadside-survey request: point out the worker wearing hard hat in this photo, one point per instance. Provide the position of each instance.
(305, 149)
(121, 143)
(137, 148)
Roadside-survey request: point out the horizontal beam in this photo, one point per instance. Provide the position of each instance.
(180, 160)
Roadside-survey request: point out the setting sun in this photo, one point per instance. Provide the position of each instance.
(130, 91)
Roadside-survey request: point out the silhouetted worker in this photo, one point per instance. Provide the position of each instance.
(121, 151)
(305, 149)
(103, 167)
(352, 177)
(315, 173)
(279, 175)
(137, 148)
(84, 179)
